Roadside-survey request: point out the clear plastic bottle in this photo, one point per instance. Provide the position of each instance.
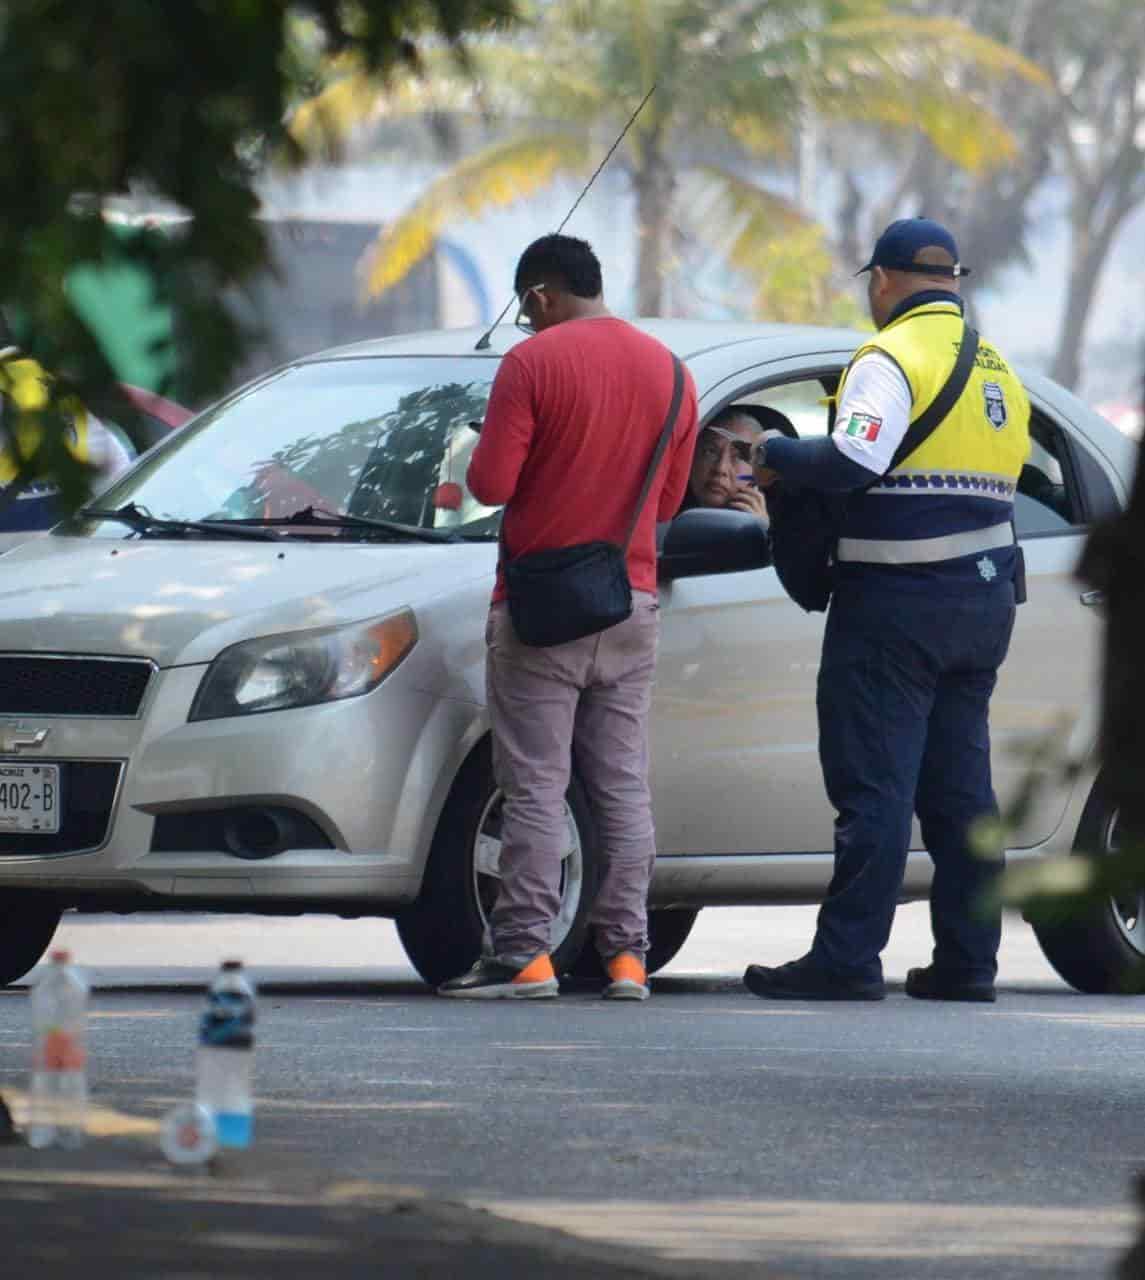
(58, 1102)
(225, 1064)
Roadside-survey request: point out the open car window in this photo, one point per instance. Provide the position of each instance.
(802, 402)
(1047, 500)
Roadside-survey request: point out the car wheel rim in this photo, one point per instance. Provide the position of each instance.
(1129, 906)
(487, 867)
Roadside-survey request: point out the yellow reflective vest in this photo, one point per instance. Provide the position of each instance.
(26, 388)
(950, 502)
(987, 433)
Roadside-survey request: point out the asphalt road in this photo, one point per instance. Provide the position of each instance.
(890, 1140)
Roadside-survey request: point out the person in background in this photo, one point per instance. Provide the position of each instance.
(574, 417)
(25, 386)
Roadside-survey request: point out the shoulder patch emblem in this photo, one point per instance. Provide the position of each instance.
(863, 426)
(996, 411)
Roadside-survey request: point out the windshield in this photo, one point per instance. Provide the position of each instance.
(382, 438)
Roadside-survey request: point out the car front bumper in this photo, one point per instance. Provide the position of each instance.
(369, 774)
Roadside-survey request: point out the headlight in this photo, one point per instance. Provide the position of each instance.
(302, 668)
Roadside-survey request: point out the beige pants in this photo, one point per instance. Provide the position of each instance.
(590, 697)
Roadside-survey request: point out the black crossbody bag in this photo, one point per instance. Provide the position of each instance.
(805, 524)
(569, 592)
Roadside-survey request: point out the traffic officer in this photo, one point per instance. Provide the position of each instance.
(25, 394)
(924, 588)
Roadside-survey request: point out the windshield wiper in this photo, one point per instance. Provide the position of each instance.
(141, 520)
(318, 517)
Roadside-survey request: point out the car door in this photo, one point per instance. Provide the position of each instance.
(734, 738)
(1045, 700)
(734, 727)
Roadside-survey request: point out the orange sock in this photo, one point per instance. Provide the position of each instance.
(539, 969)
(627, 968)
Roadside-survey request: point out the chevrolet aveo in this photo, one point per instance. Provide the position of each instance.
(254, 683)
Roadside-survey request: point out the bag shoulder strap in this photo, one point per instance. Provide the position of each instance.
(661, 446)
(927, 422)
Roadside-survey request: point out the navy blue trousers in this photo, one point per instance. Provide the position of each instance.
(903, 699)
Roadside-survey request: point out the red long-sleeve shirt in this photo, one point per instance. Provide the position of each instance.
(573, 418)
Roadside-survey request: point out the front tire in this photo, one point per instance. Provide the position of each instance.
(1103, 951)
(27, 927)
(442, 931)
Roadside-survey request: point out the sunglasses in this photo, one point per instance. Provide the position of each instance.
(523, 322)
(712, 450)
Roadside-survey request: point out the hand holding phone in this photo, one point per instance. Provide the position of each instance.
(748, 498)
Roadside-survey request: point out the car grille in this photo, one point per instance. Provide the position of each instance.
(39, 685)
(87, 796)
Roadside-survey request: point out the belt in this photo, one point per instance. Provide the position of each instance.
(925, 550)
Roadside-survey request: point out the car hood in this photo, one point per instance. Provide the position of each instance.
(182, 602)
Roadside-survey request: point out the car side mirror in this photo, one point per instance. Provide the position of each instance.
(708, 540)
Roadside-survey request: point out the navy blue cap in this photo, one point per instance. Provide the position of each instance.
(899, 245)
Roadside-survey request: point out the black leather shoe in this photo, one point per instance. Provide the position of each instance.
(932, 984)
(804, 980)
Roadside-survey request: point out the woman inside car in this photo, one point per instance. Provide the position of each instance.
(721, 471)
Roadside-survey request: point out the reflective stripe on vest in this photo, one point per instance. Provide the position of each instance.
(951, 546)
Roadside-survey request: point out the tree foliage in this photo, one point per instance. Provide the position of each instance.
(184, 100)
(733, 81)
(1089, 129)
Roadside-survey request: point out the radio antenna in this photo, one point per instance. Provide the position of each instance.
(483, 341)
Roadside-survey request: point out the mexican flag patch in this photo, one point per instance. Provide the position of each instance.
(863, 426)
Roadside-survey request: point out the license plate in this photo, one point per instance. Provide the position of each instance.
(30, 798)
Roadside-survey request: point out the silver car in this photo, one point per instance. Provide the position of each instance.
(256, 684)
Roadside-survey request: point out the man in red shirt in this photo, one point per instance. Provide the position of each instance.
(574, 417)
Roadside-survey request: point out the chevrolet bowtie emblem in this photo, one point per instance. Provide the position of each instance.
(18, 739)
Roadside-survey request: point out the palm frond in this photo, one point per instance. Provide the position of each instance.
(501, 80)
(918, 45)
(901, 71)
(553, 81)
(909, 44)
(494, 178)
(966, 133)
(735, 217)
(323, 123)
(759, 121)
(783, 256)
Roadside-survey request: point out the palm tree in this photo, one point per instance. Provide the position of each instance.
(735, 82)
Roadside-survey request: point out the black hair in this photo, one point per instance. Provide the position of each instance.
(769, 419)
(563, 261)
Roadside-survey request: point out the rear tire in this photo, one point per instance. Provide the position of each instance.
(27, 926)
(667, 933)
(1103, 951)
(442, 931)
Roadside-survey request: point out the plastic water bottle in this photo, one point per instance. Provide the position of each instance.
(58, 1103)
(225, 1065)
